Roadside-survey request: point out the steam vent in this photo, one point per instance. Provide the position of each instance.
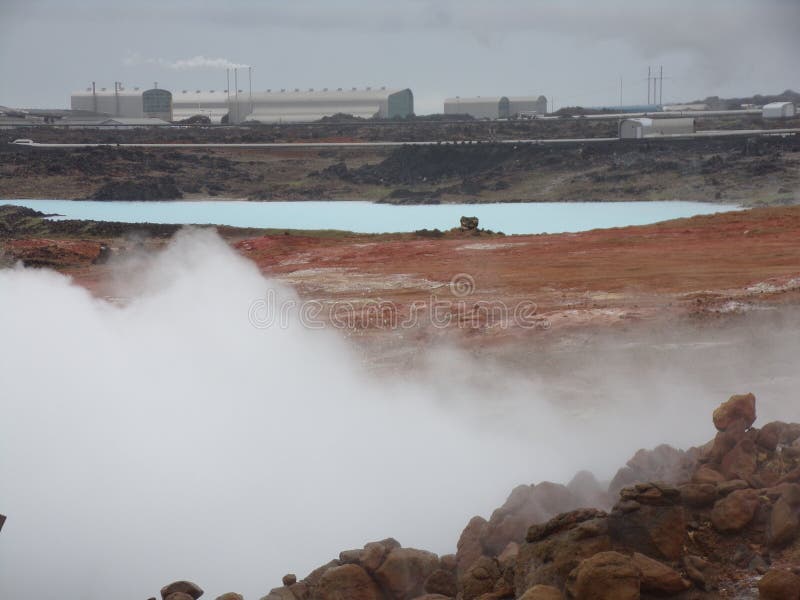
(721, 520)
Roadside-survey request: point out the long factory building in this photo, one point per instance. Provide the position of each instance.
(223, 106)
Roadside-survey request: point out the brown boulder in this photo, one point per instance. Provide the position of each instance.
(230, 596)
(289, 579)
(784, 519)
(740, 462)
(663, 463)
(735, 511)
(441, 582)
(480, 578)
(542, 592)
(185, 587)
(314, 577)
(280, 593)
(469, 547)
(405, 570)
(553, 549)
(525, 505)
(605, 576)
(348, 582)
(706, 474)
(650, 520)
(779, 584)
(698, 495)
(770, 435)
(179, 596)
(701, 572)
(739, 410)
(658, 578)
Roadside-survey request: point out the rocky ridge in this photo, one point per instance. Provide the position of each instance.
(718, 521)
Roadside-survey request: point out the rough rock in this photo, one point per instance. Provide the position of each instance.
(347, 582)
(698, 495)
(2, 521)
(469, 223)
(658, 578)
(739, 409)
(148, 188)
(784, 520)
(769, 436)
(605, 576)
(740, 462)
(405, 570)
(289, 579)
(701, 572)
(280, 593)
(480, 578)
(735, 511)
(469, 547)
(663, 463)
(178, 596)
(186, 587)
(706, 474)
(553, 549)
(315, 576)
(230, 596)
(441, 582)
(649, 519)
(542, 592)
(525, 505)
(779, 584)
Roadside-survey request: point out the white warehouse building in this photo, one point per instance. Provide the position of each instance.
(778, 110)
(635, 129)
(496, 107)
(121, 102)
(293, 107)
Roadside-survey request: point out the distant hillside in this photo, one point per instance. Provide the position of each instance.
(717, 103)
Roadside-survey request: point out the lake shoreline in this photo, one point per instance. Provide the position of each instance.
(376, 218)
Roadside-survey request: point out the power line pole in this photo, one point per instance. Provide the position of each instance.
(648, 85)
(661, 86)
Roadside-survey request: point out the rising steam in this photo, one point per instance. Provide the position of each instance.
(170, 438)
(183, 64)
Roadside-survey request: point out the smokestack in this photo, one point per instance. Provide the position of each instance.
(94, 97)
(236, 93)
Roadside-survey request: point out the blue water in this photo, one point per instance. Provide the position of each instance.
(366, 217)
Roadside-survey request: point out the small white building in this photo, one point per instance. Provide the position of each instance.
(635, 129)
(778, 110)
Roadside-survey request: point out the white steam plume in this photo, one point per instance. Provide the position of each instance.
(183, 64)
(171, 439)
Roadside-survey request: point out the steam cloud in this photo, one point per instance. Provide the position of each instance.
(183, 64)
(171, 439)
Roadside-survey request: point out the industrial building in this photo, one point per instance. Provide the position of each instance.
(122, 102)
(645, 127)
(478, 107)
(496, 107)
(778, 110)
(293, 106)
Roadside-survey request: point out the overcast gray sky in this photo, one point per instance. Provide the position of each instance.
(572, 50)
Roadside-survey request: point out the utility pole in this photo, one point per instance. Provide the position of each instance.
(250, 82)
(620, 90)
(648, 85)
(661, 87)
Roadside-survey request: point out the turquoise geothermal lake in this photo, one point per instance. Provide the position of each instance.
(367, 217)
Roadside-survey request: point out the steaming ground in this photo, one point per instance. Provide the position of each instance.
(172, 439)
